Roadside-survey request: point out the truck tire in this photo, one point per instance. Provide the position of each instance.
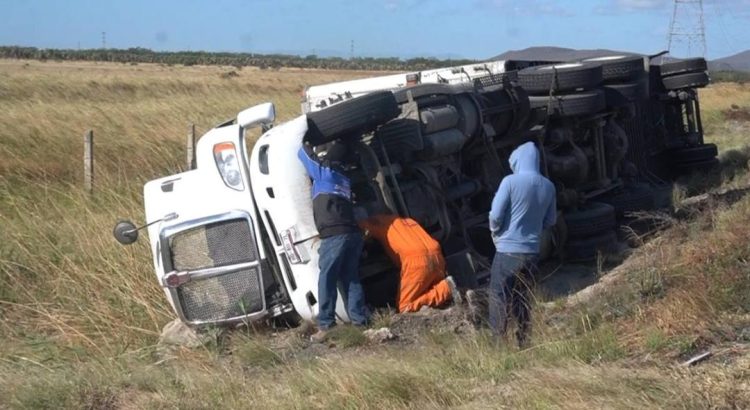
(689, 80)
(620, 94)
(352, 117)
(700, 153)
(587, 249)
(569, 105)
(638, 197)
(690, 65)
(560, 77)
(427, 90)
(591, 219)
(619, 67)
(495, 79)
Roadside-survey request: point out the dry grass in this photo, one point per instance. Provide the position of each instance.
(64, 279)
(715, 101)
(80, 314)
(140, 114)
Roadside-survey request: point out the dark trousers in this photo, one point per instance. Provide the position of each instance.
(511, 280)
(339, 268)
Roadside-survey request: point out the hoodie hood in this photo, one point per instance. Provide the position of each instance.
(525, 159)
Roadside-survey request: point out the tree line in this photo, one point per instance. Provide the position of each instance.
(263, 61)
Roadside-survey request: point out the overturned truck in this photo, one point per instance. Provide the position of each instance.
(234, 239)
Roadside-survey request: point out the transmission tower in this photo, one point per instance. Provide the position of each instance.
(687, 32)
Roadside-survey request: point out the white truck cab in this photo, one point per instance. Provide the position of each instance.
(207, 242)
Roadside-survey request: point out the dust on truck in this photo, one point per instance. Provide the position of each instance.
(234, 239)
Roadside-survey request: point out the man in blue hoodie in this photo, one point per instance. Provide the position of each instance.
(523, 206)
(340, 238)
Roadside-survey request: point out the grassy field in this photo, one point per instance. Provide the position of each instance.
(80, 315)
(725, 111)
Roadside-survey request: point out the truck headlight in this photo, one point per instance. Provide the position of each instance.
(229, 167)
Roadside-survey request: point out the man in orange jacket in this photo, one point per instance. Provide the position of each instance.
(423, 276)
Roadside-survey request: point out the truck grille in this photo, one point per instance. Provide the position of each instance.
(213, 245)
(222, 297)
(227, 295)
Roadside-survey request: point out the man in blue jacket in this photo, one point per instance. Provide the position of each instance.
(523, 206)
(340, 238)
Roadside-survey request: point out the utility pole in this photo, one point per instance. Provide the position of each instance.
(104, 39)
(351, 50)
(687, 27)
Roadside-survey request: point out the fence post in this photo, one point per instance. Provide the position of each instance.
(88, 161)
(191, 147)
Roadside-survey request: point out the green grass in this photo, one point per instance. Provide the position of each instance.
(254, 353)
(655, 340)
(346, 336)
(471, 370)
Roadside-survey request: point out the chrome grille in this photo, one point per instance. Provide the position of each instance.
(213, 245)
(222, 297)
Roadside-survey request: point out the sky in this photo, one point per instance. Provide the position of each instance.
(476, 29)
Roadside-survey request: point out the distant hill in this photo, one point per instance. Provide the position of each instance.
(736, 62)
(555, 54)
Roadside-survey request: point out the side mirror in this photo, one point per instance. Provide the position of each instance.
(259, 114)
(125, 232)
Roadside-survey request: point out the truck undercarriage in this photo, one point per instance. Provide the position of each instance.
(604, 126)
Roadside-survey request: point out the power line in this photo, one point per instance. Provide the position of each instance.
(727, 39)
(687, 27)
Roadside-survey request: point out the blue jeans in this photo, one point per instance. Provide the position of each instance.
(511, 280)
(339, 262)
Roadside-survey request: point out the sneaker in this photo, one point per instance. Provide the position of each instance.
(320, 336)
(455, 294)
